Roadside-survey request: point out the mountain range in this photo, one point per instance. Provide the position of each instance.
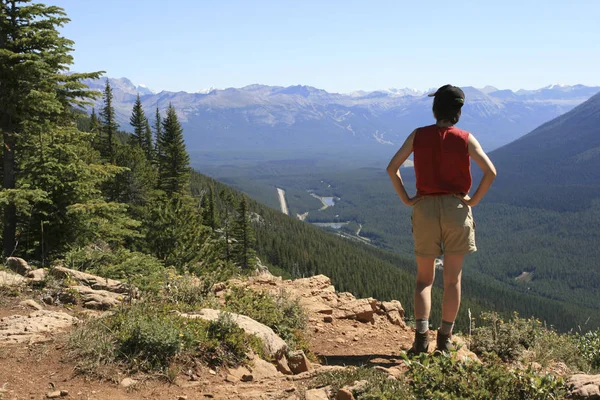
(263, 118)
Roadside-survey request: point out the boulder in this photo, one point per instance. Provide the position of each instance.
(33, 327)
(584, 386)
(37, 275)
(11, 279)
(18, 265)
(274, 346)
(298, 362)
(97, 299)
(316, 394)
(262, 369)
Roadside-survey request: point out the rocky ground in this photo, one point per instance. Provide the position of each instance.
(342, 331)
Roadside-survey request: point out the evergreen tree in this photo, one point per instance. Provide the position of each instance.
(148, 145)
(210, 217)
(244, 254)
(34, 94)
(173, 161)
(138, 121)
(110, 126)
(94, 122)
(158, 133)
(228, 205)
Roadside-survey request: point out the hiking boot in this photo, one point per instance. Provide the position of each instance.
(421, 343)
(444, 342)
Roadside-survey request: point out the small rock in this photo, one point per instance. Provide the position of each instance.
(31, 303)
(209, 395)
(18, 265)
(283, 366)
(53, 395)
(298, 362)
(328, 319)
(128, 382)
(247, 378)
(231, 379)
(182, 397)
(316, 394)
(344, 394)
(212, 372)
(358, 387)
(64, 392)
(355, 338)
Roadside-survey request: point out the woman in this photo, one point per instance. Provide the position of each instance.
(442, 220)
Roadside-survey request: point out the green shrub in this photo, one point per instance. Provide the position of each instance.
(282, 314)
(505, 339)
(446, 377)
(149, 337)
(589, 346)
(553, 346)
(141, 270)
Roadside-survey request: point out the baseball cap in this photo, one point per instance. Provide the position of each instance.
(449, 95)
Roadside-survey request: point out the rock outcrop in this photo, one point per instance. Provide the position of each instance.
(91, 291)
(33, 327)
(585, 386)
(318, 297)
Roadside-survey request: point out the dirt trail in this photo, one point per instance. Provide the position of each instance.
(342, 331)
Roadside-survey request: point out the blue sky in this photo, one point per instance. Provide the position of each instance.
(339, 46)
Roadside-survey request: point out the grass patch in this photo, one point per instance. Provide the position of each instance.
(378, 385)
(150, 337)
(445, 377)
(508, 340)
(280, 313)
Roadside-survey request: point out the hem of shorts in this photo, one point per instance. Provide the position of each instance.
(428, 255)
(460, 253)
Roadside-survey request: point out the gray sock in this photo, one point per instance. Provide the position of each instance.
(422, 325)
(446, 328)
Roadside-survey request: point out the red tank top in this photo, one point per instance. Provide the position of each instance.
(442, 161)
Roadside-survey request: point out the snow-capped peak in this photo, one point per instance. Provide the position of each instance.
(206, 91)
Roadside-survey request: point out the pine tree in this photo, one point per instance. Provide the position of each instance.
(244, 254)
(209, 211)
(158, 133)
(94, 123)
(110, 126)
(173, 161)
(138, 121)
(228, 205)
(34, 93)
(148, 145)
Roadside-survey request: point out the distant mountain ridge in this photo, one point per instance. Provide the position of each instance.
(261, 117)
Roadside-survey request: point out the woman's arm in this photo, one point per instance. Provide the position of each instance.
(489, 171)
(393, 170)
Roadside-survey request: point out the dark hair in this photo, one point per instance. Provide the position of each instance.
(444, 112)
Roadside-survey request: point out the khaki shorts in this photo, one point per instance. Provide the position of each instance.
(443, 225)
